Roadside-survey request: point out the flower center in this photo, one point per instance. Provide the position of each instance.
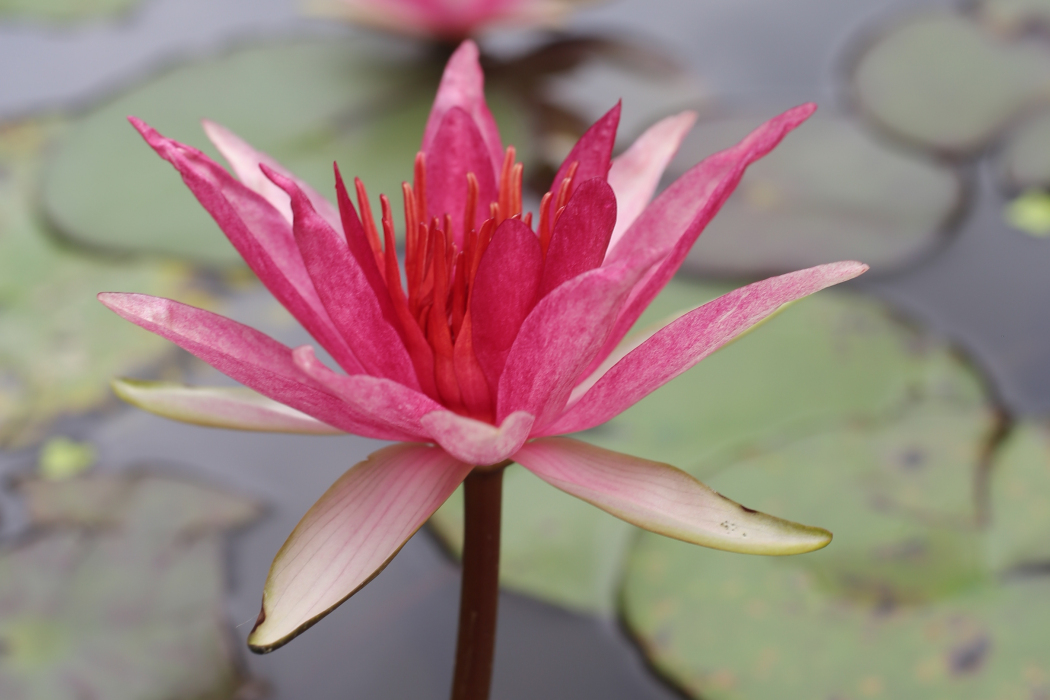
(434, 312)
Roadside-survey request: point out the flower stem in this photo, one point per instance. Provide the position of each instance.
(479, 595)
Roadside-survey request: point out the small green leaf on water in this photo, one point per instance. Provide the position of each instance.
(62, 458)
(1030, 213)
(62, 11)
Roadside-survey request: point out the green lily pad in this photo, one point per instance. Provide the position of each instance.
(58, 346)
(1019, 494)
(1023, 163)
(829, 192)
(306, 103)
(898, 606)
(1030, 212)
(124, 612)
(829, 361)
(943, 82)
(62, 458)
(62, 10)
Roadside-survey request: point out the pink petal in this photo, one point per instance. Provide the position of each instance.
(672, 223)
(663, 499)
(505, 290)
(636, 172)
(233, 408)
(345, 291)
(247, 355)
(476, 442)
(350, 535)
(463, 86)
(388, 402)
(593, 151)
(245, 162)
(559, 339)
(260, 234)
(693, 336)
(458, 149)
(581, 235)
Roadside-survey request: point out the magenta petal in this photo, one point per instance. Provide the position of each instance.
(690, 338)
(387, 402)
(247, 355)
(636, 172)
(559, 339)
(463, 86)
(245, 162)
(350, 535)
(581, 235)
(505, 290)
(593, 151)
(458, 149)
(672, 223)
(663, 499)
(476, 442)
(345, 291)
(260, 234)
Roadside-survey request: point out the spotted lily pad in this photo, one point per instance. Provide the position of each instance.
(128, 611)
(306, 103)
(62, 10)
(944, 82)
(829, 192)
(832, 360)
(58, 346)
(1019, 500)
(898, 606)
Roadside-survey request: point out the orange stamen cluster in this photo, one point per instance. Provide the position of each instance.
(434, 310)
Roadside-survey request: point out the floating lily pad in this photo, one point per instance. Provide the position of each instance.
(832, 360)
(58, 346)
(62, 458)
(1019, 527)
(126, 612)
(1024, 161)
(306, 103)
(947, 84)
(829, 192)
(1015, 16)
(1030, 212)
(898, 606)
(62, 10)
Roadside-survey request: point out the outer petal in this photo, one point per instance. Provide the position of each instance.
(233, 408)
(593, 151)
(245, 162)
(346, 293)
(505, 290)
(260, 234)
(690, 338)
(475, 442)
(663, 499)
(559, 339)
(463, 86)
(350, 535)
(581, 236)
(247, 355)
(636, 172)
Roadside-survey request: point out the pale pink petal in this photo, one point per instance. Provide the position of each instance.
(663, 499)
(463, 86)
(636, 172)
(593, 152)
(458, 149)
(388, 402)
(581, 235)
(690, 338)
(350, 535)
(345, 291)
(233, 408)
(259, 233)
(245, 162)
(672, 223)
(476, 442)
(505, 290)
(247, 355)
(559, 339)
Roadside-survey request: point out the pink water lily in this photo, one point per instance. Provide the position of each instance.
(503, 330)
(451, 19)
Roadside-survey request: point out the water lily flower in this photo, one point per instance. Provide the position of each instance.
(450, 19)
(503, 330)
